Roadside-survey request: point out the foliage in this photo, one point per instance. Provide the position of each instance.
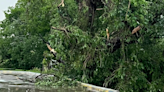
(56, 81)
(77, 31)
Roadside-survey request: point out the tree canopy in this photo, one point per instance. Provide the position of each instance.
(111, 43)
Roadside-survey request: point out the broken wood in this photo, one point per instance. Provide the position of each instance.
(136, 29)
(99, 9)
(54, 53)
(107, 34)
(51, 50)
(116, 41)
(62, 29)
(61, 4)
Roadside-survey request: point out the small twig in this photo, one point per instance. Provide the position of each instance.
(127, 10)
(99, 9)
(61, 29)
(86, 60)
(105, 3)
(110, 77)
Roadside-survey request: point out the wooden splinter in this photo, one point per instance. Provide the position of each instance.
(61, 4)
(54, 53)
(107, 33)
(136, 29)
(51, 50)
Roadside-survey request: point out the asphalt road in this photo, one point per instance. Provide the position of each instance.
(17, 77)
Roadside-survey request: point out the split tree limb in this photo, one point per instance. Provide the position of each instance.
(62, 29)
(61, 4)
(116, 41)
(99, 9)
(54, 53)
(136, 29)
(107, 34)
(51, 50)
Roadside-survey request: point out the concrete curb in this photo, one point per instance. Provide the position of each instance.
(94, 88)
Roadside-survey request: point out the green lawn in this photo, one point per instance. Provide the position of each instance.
(36, 70)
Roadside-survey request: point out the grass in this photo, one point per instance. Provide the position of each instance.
(36, 70)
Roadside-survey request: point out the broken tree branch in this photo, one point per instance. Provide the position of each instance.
(99, 9)
(51, 50)
(116, 41)
(54, 53)
(62, 29)
(107, 33)
(136, 29)
(61, 4)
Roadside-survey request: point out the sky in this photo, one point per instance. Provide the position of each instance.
(4, 4)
